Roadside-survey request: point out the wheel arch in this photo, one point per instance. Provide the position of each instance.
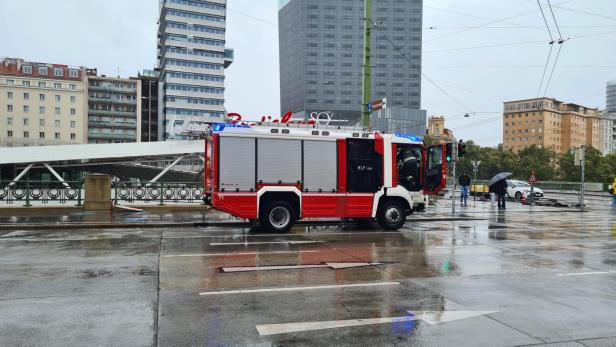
(290, 195)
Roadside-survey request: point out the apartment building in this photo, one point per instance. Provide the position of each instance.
(549, 123)
(114, 109)
(41, 104)
(436, 129)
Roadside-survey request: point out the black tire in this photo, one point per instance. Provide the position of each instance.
(518, 196)
(277, 217)
(391, 215)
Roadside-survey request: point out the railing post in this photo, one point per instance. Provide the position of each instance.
(162, 200)
(27, 193)
(115, 192)
(79, 184)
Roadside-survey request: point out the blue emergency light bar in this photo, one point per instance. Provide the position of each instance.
(410, 137)
(220, 127)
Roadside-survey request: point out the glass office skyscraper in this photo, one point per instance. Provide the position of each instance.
(321, 57)
(192, 59)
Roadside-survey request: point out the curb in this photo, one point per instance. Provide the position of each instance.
(154, 225)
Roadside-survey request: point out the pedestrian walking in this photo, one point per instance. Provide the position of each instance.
(492, 196)
(500, 188)
(465, 184)
(613, 192)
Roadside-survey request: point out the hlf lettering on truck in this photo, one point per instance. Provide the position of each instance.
(279, 174)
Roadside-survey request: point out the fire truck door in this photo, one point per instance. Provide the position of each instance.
(435, 169)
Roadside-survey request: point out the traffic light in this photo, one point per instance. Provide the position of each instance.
(461, 149)
(449, 152)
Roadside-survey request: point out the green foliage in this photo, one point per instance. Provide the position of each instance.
(548, 165)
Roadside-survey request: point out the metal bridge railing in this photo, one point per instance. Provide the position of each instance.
(31, 193)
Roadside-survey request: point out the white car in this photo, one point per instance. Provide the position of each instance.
(518, 189)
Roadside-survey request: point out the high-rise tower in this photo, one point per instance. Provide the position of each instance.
(321, 59)
(192, 59)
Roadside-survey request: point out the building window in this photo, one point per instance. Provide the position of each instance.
(72, 86)
(72, 99)
(42, 110)
(9, 95)
(26, 69)
(26, 83)
(73, 124)
(73, 136)
(58, 72)
(73, 73)
(41, 122)
(57, 136)
(57, 110)
(57, 85)
(42, 85)
(72, 112)
(26, 134)
(9, 108)
(9, 133)
(41, 135)
(41, 97)
(43, 71)
(9, 121)
(58, 98)
(26, 109)
(57, 123)
(26, 96)
(26, 121)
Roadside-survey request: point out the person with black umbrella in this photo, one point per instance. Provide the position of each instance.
(498, 184)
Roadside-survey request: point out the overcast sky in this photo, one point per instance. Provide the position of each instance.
(480, 52)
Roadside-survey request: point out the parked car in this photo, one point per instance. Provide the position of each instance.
(518, 189)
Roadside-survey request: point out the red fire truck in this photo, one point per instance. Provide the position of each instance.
(277, 174)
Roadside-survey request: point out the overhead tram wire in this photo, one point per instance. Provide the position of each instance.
(560, 46)
(551, 43)
(406, 56)
(500, 20)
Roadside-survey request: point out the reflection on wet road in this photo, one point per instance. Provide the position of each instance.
(511, 278)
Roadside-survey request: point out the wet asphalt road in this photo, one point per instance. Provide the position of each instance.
(514, 278)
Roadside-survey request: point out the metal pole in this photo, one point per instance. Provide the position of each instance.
(453, 190)
(582, 196)
(27, 193)
(475, 183)
(367, 93)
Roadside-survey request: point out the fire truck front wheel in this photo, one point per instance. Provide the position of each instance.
(391, 215)
(277, 217)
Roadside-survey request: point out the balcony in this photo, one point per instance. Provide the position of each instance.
(126, 137)
(113, 101)
(229, 55)
(112, 113)
(112, 89)
(110, 124)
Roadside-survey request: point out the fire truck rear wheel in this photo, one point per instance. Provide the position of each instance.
(277, 217)
(391, 215)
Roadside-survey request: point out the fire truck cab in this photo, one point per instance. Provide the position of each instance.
(277, 174)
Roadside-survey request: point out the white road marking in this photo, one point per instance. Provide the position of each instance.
(431, 317)
(438, 317)
(264, 243)
(288, 289)
(233, 254)
(334, 266)
(586, 273)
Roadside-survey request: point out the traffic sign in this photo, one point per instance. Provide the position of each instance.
(532, 179)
